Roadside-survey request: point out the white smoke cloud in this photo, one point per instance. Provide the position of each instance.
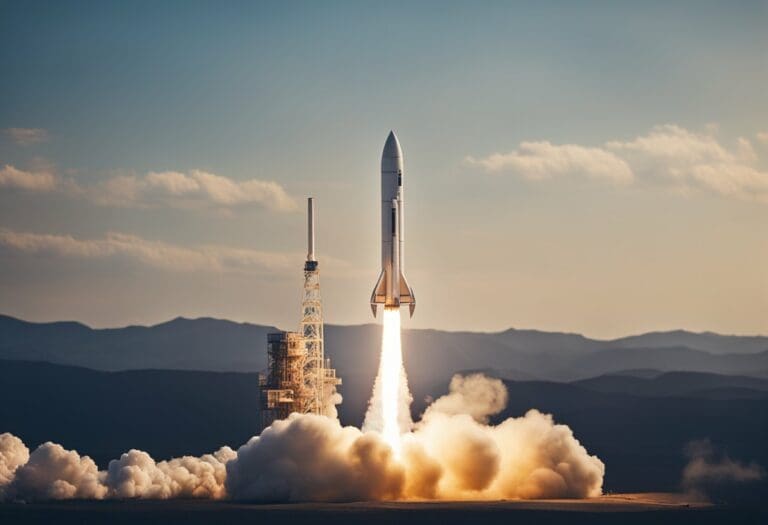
(314, 458)
(136, 475)
(524, 457)
(55, 473)
(202, 477)
(474, 395)
(13, 454)
(451, 453)
(708, 471)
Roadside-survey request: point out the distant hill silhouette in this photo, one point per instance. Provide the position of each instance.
(707, 341)
(180, 344)
(680, 384)
(431, 355)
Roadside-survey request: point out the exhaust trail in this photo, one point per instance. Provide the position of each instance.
(389, 407)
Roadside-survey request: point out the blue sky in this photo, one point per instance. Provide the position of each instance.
(301, 95)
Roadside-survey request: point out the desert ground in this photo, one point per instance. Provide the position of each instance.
(654, 508)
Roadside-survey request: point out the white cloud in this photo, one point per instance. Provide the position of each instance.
(543, 160)
(668, 155)
(675, 144)
(196, 189)
(745, 150)
(152, 253)
(690, 160)
(26, 136)
(762, 136)
(11, 177)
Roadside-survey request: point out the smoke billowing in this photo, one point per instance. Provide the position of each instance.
(712, 474)
(136, 475)
(314, 458)
(451, 453)
(13, 454)
(54, 473)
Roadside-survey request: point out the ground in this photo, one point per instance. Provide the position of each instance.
(627, 509)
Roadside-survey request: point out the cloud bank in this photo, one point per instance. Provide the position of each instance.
(452, 453)
(152, 253)
(668, 155)
(194, 190)
(42, 181)
(544, 160)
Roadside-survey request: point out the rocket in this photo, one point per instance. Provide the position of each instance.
(392, 290)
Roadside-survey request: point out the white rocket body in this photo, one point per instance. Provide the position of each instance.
(392, 290)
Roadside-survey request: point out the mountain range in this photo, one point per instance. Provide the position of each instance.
(430, 355)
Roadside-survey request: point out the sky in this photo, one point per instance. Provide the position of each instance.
(591, 167)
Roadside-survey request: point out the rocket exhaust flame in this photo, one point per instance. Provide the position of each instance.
(389, 407)
(390, 371)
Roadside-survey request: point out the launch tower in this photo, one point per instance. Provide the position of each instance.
(299, 377)
(311, 326)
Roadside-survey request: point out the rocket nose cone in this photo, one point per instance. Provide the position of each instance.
(392, 146)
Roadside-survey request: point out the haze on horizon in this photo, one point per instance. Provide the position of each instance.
(599, 168)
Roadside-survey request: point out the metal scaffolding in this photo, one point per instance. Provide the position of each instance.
(311, 328)
(300, 378)
(283, 385)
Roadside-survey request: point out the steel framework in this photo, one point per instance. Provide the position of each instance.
(299, 377)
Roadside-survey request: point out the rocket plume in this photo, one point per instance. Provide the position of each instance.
(389, 407)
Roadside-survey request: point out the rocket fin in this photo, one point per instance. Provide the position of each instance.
(379, 295)
(406, 294)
